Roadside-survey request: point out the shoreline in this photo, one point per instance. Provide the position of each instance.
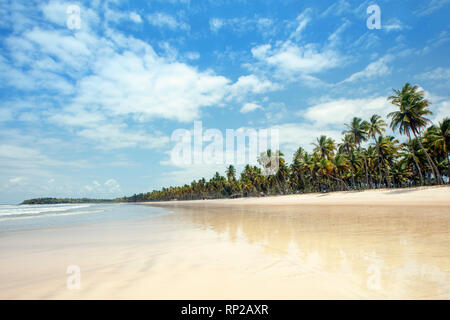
(417, 196)
(286, 247)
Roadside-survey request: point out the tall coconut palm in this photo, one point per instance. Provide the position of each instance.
(377, 127)
(413, 107)
(347, 147)
(387, 150)
(439, 139)
(358, 130)
(274, 166)
(231, 173)
(325, 147)
(298, 169)
(341, 164)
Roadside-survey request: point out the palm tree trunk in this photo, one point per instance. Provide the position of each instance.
(448, 168)
(380, 181)
(415, 161)
(368, 184)
(437, 174)
(381, 164)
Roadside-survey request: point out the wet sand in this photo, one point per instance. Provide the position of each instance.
(354, 246)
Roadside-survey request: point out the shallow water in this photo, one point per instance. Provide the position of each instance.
(393, 252)
(35, 217)
(258, 252)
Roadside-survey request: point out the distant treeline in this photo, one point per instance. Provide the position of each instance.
(65, 200)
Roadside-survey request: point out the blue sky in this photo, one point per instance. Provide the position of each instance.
(90, 111)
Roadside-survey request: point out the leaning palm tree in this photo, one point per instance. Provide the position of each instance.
(413, 107)
(439, 139)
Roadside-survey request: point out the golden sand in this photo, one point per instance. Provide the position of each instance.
(385, 244)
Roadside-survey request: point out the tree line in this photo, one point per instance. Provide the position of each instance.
(65, 200)
(365, 158)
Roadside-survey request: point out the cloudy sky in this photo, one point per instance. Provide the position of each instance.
(88, 106)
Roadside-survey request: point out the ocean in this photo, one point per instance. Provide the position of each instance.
(33, 217)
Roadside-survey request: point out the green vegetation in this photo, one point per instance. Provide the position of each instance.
(384, 163)
(65, 200)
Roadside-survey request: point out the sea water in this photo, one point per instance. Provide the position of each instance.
(43, 216)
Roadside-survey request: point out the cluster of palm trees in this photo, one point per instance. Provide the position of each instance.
(364, 159)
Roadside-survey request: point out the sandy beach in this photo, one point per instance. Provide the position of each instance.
(381, 244)
(433, 196)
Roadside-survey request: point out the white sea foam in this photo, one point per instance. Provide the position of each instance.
(48, 214)
(36, 210)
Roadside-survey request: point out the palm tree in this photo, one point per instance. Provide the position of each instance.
(347, 146)
(358, 130)
(341, 165)
(325, 147)
(231, 173)
(387, 150)
(324, 169)
(413, 107)
(376, 127)
(274, 167)
(439, 139)
(298, 181)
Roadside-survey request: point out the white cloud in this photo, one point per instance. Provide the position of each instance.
(293, 60)
(295, 135)
(441, 110)
(112, 136)
(431, 7)
(192, 55)
(393, 24)
(252, 84)
(378, 68)
(20, 157)
(146, 85)
(341, 111)
(249, 107)
(135, 17)
(56, 12)
(16, 180)
(112, 80)
(338, 8)
(215, 24)
(160, 19)
(289, 60)
(335, 37)
(112, 185)
(437, 74)
(116, 83)
(5, 115)
(242, 25)
(302, 21)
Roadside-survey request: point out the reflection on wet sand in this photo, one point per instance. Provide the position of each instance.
(391, 252)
